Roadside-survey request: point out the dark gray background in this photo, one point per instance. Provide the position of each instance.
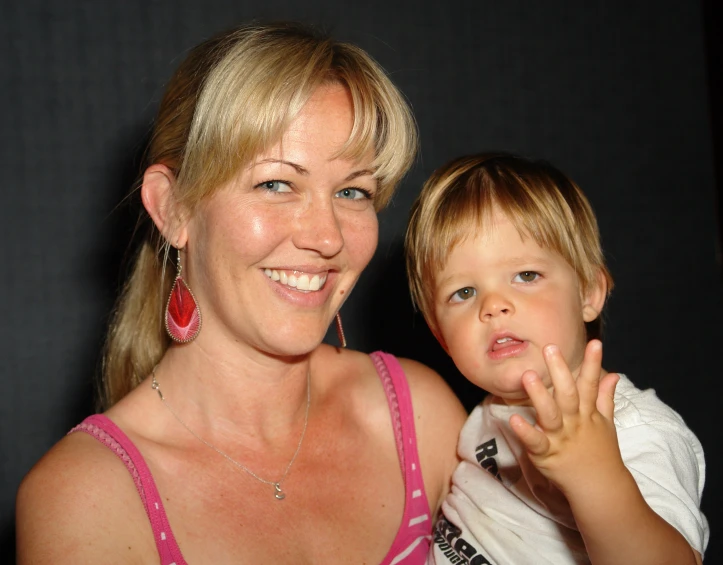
(613, 92)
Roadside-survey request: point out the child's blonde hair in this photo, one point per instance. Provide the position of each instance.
(540, 201)
(233, 97)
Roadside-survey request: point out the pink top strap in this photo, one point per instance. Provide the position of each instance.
(409, 547)
(104, 430)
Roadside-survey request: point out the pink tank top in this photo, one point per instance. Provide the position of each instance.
(412, 542)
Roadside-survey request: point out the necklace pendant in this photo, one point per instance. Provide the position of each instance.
(279, 494)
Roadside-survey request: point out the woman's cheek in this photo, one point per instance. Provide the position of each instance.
(267, 228)
(364, 237)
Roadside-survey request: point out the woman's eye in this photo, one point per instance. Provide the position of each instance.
(463, 294)
(274, 186)
(353, 194)
(526, 276)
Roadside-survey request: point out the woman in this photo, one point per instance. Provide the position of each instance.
(246, 440)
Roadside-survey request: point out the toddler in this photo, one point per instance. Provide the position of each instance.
(504, 260)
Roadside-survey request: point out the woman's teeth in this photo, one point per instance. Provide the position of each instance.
(294, 279)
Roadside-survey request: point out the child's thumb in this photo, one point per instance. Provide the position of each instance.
(606, 395)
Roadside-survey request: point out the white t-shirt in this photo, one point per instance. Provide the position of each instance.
(501, 510)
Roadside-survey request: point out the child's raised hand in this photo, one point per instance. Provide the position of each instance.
(574, 443)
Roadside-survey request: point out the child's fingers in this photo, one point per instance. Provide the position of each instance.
(605, 401)
(588, 381)
(562, 380)
(549, 416)
(533, 439)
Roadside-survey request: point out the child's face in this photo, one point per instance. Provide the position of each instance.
(500, 299)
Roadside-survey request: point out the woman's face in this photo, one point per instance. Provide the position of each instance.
(273, 254)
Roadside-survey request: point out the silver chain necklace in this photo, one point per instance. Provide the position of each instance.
(278, 493)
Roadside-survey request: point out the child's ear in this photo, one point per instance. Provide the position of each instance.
(594, 299)
(157, 197)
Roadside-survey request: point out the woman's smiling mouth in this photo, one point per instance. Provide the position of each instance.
(297, 279)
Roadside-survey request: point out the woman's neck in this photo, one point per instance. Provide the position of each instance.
(253, 395)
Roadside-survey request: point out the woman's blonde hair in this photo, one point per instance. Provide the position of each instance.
(540, 201)
(233, 97)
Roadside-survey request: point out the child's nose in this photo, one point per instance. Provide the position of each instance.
(495, 305)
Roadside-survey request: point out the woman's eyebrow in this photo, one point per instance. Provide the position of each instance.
(299, 169)
(360, 173)
(302, 171)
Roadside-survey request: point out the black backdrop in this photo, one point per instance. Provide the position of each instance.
(614, 93)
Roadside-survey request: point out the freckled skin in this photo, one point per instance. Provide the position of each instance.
(301, 224)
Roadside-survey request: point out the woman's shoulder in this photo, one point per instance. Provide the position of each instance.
(430, 390)
(75, 466)
(79, 495)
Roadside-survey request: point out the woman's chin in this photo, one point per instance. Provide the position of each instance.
(292, 344)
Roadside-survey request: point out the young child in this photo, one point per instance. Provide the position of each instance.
(504, 259)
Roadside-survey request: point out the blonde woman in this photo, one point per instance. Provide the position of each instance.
(231, 434)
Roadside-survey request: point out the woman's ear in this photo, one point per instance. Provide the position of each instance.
(594, 299)
(157, 196)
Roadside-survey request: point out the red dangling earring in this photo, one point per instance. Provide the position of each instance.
(183, 317)
(340, 330)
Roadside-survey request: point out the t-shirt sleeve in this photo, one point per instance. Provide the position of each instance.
(666, 460)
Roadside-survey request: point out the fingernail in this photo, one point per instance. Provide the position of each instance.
(550, 349)
(529, 376)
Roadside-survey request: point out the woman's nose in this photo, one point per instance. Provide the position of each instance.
(318, 229)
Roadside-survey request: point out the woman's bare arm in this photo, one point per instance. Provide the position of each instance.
(438, 417)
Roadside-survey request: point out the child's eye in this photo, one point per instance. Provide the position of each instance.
(463, 294)
(354, 194)
(526, 277)
(274, 186)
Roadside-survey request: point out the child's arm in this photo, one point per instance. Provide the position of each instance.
(575, 446)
